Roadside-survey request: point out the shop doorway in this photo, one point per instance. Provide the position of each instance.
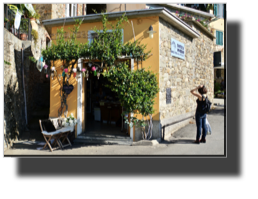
(102, 109)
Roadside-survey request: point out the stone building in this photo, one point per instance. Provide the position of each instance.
(35, 99)
(217, 26)
(176, 75)
(26, 89)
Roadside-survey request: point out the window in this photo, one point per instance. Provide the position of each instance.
(48, 43)
(218, 73)
(98, 7)
(219, 10)
(71, 10)
(219, 38)
(93, 34)
(217, 59)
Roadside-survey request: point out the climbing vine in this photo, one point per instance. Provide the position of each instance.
(135, 89)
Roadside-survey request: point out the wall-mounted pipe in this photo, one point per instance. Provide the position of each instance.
(23, 85)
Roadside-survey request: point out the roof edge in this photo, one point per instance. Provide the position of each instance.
(161, 12)
(190, 10)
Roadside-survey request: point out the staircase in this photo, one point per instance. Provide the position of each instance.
(33, 125)
(103, 139)
(41, 100)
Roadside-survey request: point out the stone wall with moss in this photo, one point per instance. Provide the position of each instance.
(14, 112)
(44, 10)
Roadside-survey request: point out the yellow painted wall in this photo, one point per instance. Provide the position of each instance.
(218, 24)
(55, 100)
(141, 26)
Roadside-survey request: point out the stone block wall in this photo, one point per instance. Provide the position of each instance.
(14, 112)
(44, 10)
(80, 8)
(54, 11)
(58, 11)
(183, 75)
(36, 85)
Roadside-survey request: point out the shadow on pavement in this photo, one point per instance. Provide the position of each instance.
(36, 146)
(179, 141)
(217, 112)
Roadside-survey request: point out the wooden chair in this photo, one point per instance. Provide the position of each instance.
(48, 136)
(59, 136)
(64, 132)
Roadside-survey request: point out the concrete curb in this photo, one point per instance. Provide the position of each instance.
(146, 142)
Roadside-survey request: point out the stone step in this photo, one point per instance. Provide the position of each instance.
(99, 136)
(103, 140)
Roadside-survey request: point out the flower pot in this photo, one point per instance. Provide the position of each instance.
(120, 56)
(24, 36)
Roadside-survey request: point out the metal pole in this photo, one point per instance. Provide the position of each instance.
(29, 30)
(122, 127)
(7, 24)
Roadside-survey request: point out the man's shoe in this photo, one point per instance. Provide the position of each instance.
(203, 140)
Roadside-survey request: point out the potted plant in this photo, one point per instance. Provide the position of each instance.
(34, 16)
(24, 27)
(70, 121)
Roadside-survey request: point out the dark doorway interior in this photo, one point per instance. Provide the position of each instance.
(103, 108)
(98, 7)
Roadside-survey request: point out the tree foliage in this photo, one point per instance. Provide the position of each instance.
(136, 90)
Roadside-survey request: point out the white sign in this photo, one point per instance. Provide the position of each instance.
(177, 49)
(17, 20)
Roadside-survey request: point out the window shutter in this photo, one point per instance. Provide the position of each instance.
(220, 10)
(92, 35)
(74, 10)
(215, 9)
(217, 37)
(221, 38)
(67, 10)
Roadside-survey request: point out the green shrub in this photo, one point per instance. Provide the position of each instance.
(34, 33)
(216, 87)
(136, 90)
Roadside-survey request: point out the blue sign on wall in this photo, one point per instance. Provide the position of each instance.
(177, 49)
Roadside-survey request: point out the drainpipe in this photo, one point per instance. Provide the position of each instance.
(23, 85)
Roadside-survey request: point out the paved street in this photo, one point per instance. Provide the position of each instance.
(180, 143)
